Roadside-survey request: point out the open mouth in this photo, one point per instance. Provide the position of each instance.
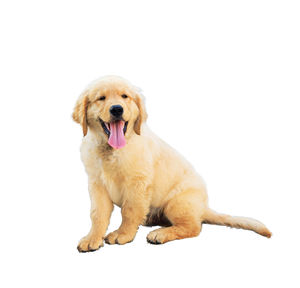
(115, 131)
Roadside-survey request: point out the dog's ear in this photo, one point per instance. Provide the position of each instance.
(140, 102)
(80, 112)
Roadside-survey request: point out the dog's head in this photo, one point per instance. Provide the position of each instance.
(113, 108)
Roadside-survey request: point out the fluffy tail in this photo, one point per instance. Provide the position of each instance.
(212, 217)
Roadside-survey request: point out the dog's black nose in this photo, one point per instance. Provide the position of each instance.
(116, 110)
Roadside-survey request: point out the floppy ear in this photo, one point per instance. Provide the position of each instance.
(142, 113)
(80, 112)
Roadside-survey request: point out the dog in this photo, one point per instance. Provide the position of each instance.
(129, 166)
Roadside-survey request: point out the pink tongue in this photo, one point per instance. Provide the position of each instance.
(117, 138)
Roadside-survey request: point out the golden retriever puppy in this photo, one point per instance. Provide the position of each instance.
(129, 166)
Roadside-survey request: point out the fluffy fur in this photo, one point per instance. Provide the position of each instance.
(150, 181)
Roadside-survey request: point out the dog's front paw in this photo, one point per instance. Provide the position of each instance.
(90, 243)
(117, 237)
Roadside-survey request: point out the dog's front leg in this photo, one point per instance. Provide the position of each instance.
(101, 208)
(134, 211)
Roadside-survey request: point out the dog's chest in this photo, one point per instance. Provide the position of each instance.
(113, 180)
(109, 172)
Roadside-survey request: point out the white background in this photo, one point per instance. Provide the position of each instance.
(221, 79)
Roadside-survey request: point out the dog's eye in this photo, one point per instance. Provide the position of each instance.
(124, 96)
(102, 98)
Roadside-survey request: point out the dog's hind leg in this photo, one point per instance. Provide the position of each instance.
(184, 211)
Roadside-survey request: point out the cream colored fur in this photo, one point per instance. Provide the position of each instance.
(150, 181)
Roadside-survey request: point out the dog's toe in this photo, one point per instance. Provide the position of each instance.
(153, 238)
(89, 244)
(155, 242)
(156, 237)
(118, 238)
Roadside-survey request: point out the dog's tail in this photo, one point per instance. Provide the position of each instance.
(212, 217)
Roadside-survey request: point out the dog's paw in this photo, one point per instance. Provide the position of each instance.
(117, 237)
(157, 237)
(90, 243)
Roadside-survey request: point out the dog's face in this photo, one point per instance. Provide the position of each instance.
(113, 108)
